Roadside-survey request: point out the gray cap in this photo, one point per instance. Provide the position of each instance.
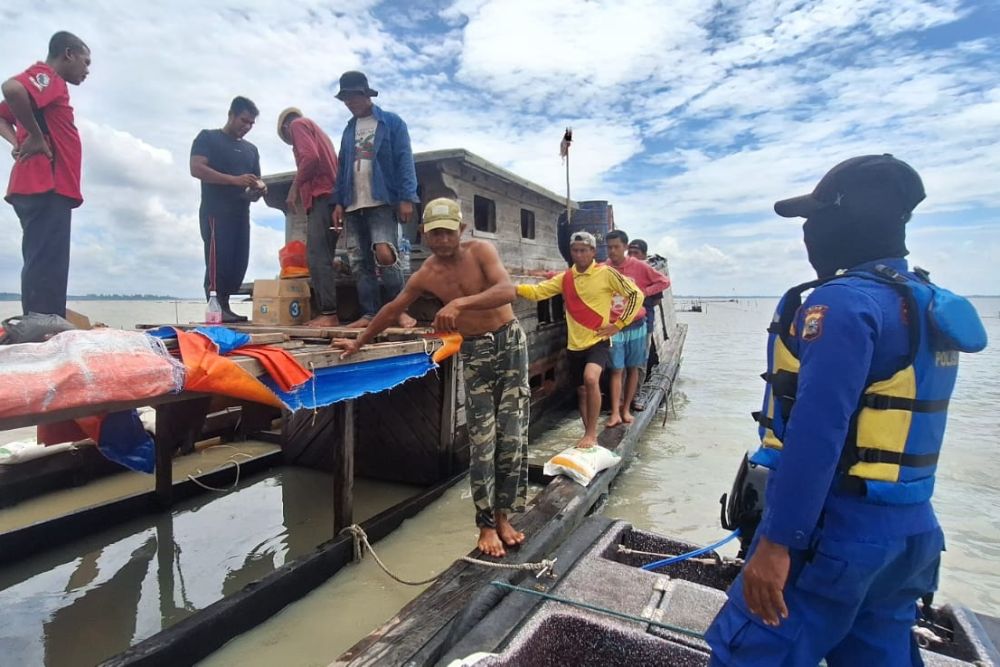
(583, 237)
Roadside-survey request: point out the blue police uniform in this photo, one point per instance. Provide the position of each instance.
(852, 475)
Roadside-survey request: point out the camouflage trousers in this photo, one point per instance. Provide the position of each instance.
(497, 400)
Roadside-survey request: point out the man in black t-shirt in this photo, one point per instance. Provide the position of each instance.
(228, 167)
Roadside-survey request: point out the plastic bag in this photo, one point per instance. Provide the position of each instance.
(20, 451)
(581, 465)
(85, 368)
(34, 328)
(292, 258)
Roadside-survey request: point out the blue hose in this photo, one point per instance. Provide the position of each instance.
(692, 554)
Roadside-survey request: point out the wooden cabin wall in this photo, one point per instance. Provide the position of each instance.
(463, 181)
(400, 433)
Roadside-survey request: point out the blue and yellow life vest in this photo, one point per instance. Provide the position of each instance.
(895, 434)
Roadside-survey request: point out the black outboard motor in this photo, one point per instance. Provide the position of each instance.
(743, 506)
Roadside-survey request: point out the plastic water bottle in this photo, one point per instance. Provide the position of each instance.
(404, 255)
(213, 313)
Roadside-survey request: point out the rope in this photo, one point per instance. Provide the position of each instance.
(361, 539)
(213, 488)
(232, 459)
(601, 610)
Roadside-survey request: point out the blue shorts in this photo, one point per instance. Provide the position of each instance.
(628, 348)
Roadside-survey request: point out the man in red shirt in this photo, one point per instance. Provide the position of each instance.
(37, 120)
(628, 348)
(315, 180)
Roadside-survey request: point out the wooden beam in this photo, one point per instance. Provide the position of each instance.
(391, 333)
(324, 357)
(343, 468)
(449, 405)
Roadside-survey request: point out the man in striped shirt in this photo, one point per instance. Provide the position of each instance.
(587, 289)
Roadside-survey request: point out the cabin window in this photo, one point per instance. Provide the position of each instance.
(558, 308)
(527, 224)
(544, 314)
(485, 213)
(551, 310)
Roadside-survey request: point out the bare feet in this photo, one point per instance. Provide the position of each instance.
(324, 321)
(627, 417)
(406, 321)
(614, 420)
(586, 442)
(510, 535)
(489, 543)
(359, 324)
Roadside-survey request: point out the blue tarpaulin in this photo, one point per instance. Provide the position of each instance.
(226, 339)
(347, 381)
(124, 440)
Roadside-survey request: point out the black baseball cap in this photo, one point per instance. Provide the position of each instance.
(640, 245)
(869, 181)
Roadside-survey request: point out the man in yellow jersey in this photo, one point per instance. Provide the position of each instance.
(587, 289)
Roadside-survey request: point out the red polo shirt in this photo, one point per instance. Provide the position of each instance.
(649, 280)
(50, 96)
(315, 161)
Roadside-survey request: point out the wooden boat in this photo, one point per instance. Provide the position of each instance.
(424, 445)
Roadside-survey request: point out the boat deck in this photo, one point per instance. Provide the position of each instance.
(610, 611)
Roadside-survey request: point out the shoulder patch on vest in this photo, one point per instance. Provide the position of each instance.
(812, 323)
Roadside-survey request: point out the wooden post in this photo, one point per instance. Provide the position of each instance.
(343, 468)
(164, 459)
(177, 428)
(449, 404)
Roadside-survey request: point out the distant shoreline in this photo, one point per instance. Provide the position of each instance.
(9, 296)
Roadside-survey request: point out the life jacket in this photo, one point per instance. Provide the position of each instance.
(896, 432)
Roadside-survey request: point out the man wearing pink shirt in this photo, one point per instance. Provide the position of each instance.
(628, 348)
(315, 181)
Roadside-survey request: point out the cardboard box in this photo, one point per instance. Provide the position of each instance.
(283, 301)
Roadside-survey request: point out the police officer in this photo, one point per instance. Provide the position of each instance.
(858, 384)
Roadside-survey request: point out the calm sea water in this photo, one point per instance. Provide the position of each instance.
(672, 487)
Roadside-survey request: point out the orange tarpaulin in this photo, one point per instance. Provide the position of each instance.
(452, 344)
(210, 373)
(286, 371)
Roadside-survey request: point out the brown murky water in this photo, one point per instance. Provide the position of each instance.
(82, 603)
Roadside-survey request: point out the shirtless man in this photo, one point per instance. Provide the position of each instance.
(471, 282)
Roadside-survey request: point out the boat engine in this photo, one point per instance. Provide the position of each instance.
(743, 506)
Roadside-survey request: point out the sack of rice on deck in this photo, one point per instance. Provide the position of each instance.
(581, 465)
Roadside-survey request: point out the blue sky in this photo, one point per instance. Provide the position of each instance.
(691, 117)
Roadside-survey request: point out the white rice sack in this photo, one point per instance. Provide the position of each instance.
(471, 660)
(20, 451)
(581, 465)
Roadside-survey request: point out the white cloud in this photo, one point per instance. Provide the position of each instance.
(692, 117)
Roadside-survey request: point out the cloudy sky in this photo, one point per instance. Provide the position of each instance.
(690, 116)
